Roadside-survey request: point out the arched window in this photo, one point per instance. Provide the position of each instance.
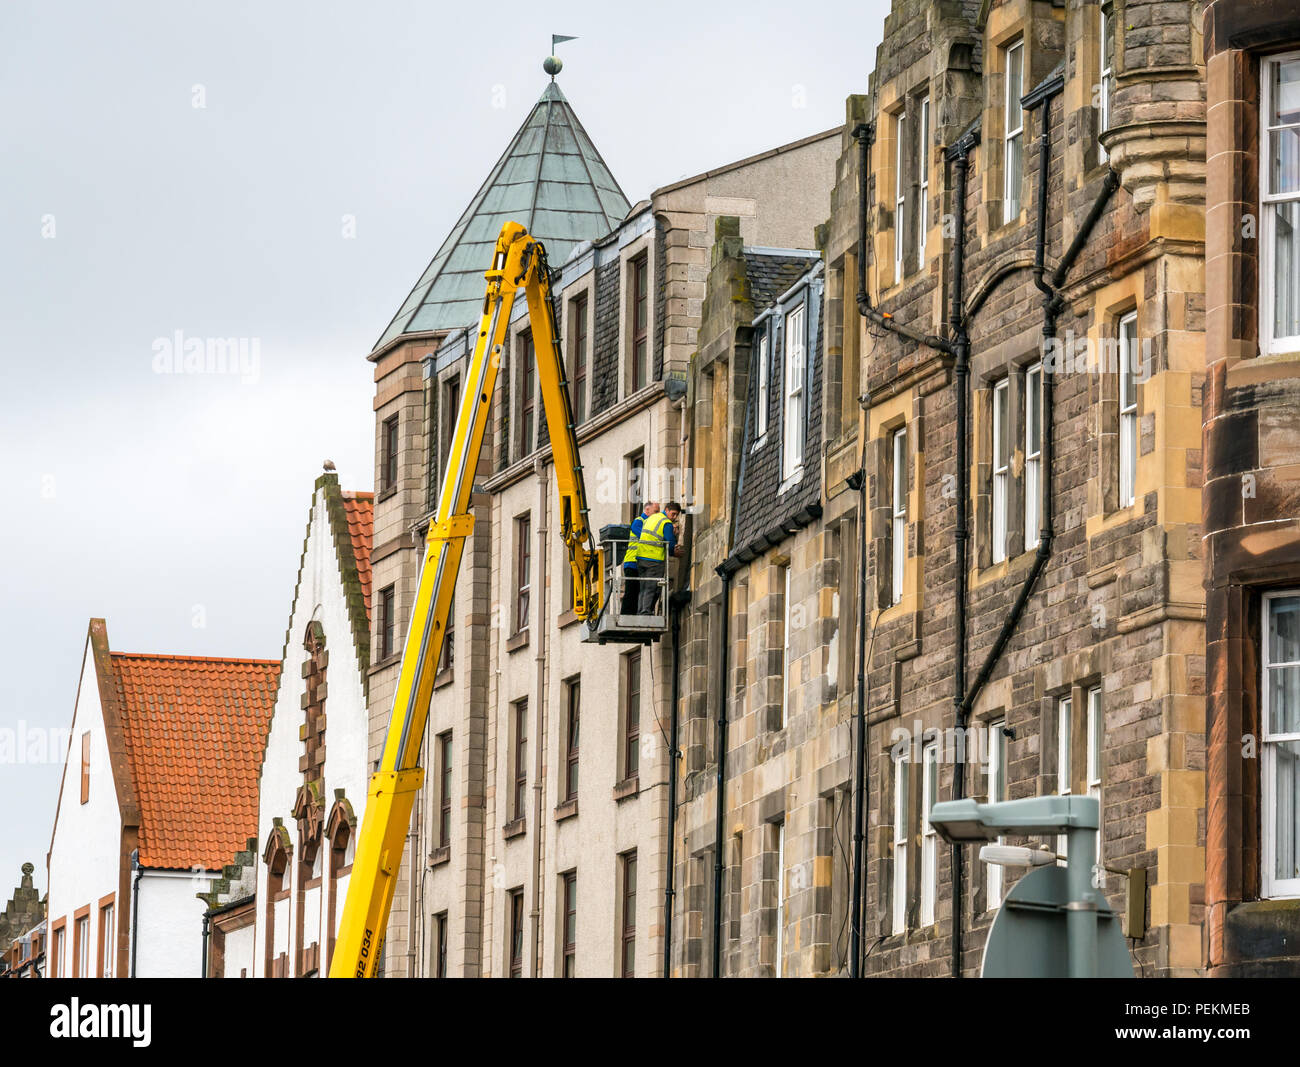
(340, 833)
(308, 810)
(276, 915)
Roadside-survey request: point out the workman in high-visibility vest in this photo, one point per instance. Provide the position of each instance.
(656, 541)
(631, 587)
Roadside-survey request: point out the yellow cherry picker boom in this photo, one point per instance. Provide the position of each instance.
(519, 261)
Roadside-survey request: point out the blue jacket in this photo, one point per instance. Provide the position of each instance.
(629, 558)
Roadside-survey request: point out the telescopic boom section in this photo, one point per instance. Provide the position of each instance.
(518, 262)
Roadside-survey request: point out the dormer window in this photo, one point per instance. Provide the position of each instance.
(640, 351)
(796, 408)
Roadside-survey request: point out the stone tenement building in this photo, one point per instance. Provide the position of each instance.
(1013, 355)
(1031, 439)
(1251, 506)
(1038, 376)
(539, 843)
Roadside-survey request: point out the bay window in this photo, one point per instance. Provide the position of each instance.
(1280, 747)
(1280, 204)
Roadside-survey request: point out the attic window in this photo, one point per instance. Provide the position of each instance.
(85, 767)
(640, 322)
(760, 416)
(796, 408)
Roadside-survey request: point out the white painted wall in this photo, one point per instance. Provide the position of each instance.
(170, 924)
(239, 952)
(84, 854)
(320, 597)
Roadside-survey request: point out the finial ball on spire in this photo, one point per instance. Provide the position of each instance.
(552, 65)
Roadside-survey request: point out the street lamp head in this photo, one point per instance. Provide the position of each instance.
(964, 822)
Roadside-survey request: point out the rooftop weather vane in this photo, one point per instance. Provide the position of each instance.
(553, 64)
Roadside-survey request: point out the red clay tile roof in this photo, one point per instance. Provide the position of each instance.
(195, 729)
(361, 528)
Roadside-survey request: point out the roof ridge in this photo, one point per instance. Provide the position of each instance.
(193, 659)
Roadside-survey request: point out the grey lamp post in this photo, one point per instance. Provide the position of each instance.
(1031, 948)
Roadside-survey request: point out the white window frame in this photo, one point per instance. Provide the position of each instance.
(929, 835)
(760, 415)
(796, 410)
(1033, 453)
(1064, 759)
(1272, 887)
(1096, 726)
(993, 880)
(1001, 497)
(923, 166)
(1106, 55)
(900, 195)
(1128, 410)
(785, 652)
(1015, 135)
(82, 941)
(898, 514)
(899, 896)
(107, 922)
(1269, 205)
(780, 899)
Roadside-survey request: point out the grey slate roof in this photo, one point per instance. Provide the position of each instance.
(764, 516)
(552, 180)
(770, 275)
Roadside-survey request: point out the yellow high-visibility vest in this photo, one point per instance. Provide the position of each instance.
(651, 544)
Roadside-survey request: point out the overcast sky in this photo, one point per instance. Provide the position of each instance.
(188, 167)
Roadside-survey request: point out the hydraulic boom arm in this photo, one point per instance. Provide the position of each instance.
(519, 261)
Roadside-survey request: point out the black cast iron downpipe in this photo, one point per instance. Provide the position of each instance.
(676, 603)
(858, 481)
(135, 905)
(721, 780)
(1052, 304)
(959, 155)
(865, 132)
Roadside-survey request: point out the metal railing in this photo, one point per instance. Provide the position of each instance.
(625, 592)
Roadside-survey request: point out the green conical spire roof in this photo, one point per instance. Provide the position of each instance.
(552, 180)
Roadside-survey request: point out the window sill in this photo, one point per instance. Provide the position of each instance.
(628, 787)
(795, 479)
(514, 828)
(391, 660)
(1005, 229)
(443, 678)
(385, 494)
(520, 640)
(567, 618)
(567, 810)
(439, 856)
